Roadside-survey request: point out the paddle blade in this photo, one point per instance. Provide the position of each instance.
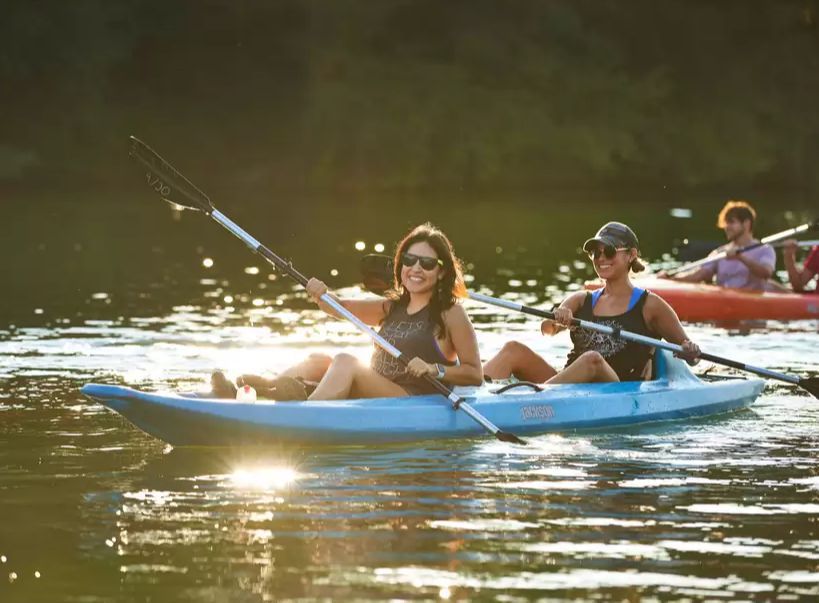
(376, 285)
(505, 436)
(811, 385)
(377, 274)
(166, 181)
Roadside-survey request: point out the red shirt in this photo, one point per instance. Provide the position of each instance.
(812, 261)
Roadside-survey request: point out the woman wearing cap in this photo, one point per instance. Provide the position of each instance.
(597, 357)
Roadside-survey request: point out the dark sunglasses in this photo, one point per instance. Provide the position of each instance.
(427, 263)
(607, 250)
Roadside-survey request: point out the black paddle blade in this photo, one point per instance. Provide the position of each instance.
(165, 180)
(505, 436)
(377, 273)
(374, 284)
(811, 385)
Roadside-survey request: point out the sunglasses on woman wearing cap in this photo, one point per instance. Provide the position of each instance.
(609, 251)
(427, 263)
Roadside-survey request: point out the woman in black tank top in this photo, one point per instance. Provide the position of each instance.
(420, 317)
(614, 251)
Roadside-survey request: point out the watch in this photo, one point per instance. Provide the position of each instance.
(441, 371)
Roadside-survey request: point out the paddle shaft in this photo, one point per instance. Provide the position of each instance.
(166, 180)
(812, 243)
(635, 337)
(785, 234)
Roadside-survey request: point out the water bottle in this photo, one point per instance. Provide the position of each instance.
(245, 394)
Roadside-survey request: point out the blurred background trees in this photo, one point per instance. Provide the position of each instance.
(414, 94)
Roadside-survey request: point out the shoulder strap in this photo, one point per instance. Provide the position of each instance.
(637, 295)
(595, 296)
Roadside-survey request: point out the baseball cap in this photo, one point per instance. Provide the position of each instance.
(616, 234)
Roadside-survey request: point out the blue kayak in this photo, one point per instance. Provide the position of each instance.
(191, 420)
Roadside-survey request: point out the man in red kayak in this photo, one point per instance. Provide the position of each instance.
(800, 277)
(748, 270)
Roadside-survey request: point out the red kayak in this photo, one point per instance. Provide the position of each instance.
(698, 302)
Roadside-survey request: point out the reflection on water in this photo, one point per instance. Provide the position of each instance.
(95, 510)
(716, 508)
(264, 478)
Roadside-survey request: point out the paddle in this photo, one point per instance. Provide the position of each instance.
(173, 187)
(812, 243)
(780, 236)
(377, 271)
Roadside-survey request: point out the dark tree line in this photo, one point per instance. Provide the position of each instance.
(370, 94)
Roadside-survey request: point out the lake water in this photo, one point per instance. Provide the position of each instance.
(124, 291)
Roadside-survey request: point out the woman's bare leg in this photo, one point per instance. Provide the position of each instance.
(348, 378)
(516, 359)
(310, 370)
(590, 367)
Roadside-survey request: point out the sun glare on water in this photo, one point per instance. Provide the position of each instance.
(264, 478)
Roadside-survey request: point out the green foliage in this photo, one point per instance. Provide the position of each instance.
(418, 94)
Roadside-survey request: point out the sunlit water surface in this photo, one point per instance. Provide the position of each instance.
(94, 510)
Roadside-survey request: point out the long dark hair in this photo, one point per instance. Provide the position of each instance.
(448, 289)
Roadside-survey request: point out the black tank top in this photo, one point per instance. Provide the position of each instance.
(628, 359)
(414, 335)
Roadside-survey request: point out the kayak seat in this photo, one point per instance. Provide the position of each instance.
(659, 365)
(668, 367)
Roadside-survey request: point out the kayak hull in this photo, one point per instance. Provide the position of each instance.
(186, 420)
(699, 302)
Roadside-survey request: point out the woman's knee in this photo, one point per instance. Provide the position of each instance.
(592, 359)
(321, 361)
(514, 349)
(346, 361)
